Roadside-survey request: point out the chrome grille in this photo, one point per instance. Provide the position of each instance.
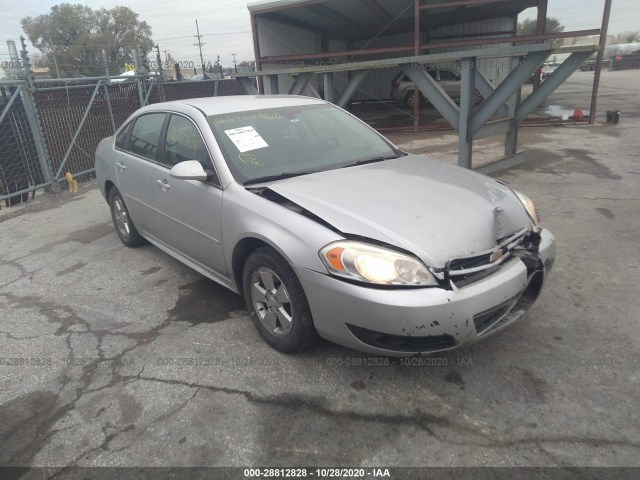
(465, 270)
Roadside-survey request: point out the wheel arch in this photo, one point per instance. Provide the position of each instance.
(108, 186)
(241, 251)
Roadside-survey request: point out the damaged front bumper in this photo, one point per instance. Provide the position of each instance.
(401, 322)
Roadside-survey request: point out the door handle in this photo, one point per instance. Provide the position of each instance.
(121, 166)
(164, 185)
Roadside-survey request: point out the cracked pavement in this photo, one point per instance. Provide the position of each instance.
(130, 358)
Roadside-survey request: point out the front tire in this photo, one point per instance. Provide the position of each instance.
(408, 99)
(276, 302)
(122, 221)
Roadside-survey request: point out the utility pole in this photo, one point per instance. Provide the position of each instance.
(159, 60)
(235, 65)
(199, 45)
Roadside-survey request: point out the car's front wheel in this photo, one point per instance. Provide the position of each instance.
(409, 99)
(125, 228)
(276, 302)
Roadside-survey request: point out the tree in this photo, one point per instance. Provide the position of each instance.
(249, 65)
(529, 27)
(627, 37)
(74, 36)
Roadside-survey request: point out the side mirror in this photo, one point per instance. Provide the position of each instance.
(189, 170)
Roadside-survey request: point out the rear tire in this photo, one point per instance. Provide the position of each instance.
(276, 302)
(122, 221)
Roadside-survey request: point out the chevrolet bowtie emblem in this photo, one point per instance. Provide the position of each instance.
(495, 256)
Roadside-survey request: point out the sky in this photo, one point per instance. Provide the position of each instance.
(226, 27)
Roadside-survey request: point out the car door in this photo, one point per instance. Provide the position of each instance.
(191, 209)
(135, 148)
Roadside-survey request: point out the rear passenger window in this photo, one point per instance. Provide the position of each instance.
(184, 142)
(145, 135)
(123, 137)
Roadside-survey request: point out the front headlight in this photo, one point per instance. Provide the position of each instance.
(373, 264)
(530, 208)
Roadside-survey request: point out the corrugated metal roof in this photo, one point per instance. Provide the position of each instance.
(360, 19)
(270, 4)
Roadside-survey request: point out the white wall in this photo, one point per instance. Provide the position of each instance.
(278, 39)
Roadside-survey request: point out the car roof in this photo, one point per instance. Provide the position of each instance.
(237, 103)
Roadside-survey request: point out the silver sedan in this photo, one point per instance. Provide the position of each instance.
(323, 226)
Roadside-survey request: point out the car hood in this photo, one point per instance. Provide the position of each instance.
(435, 210)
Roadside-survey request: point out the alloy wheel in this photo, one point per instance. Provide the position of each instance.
(271, 301)
(121, 218)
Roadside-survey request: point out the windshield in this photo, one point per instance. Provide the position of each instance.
(288, 141)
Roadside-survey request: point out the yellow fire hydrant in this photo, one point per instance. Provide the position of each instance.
(73, 184)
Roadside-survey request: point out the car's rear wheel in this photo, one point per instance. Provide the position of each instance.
(276, 302)
(125, 228)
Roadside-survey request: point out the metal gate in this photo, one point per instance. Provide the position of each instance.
(49, 127)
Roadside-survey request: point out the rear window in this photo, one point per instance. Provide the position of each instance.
(122, 140)
(145, 135)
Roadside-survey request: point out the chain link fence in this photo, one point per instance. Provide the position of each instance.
(49, 127)
(19, 166)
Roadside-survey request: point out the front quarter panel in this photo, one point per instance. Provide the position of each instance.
(296, 237)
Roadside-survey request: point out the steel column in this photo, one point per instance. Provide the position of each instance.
(329, 92)
(416, 52)
(603, 44)
(301, 83)
(352, 86)
(547, 87)
(75, 137)
(467, 100)
(434, 93)
(511, 140)
(274, 86)
(507, 88)
(256, 52)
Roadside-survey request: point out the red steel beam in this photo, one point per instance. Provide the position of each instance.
(457, 43)
(460, 3)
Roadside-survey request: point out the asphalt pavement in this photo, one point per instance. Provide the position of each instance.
(124, 357)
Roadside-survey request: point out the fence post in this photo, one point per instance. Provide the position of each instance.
(136, 62)
(160, 78)
(34, 120)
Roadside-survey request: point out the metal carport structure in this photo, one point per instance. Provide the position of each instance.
(326, 25)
